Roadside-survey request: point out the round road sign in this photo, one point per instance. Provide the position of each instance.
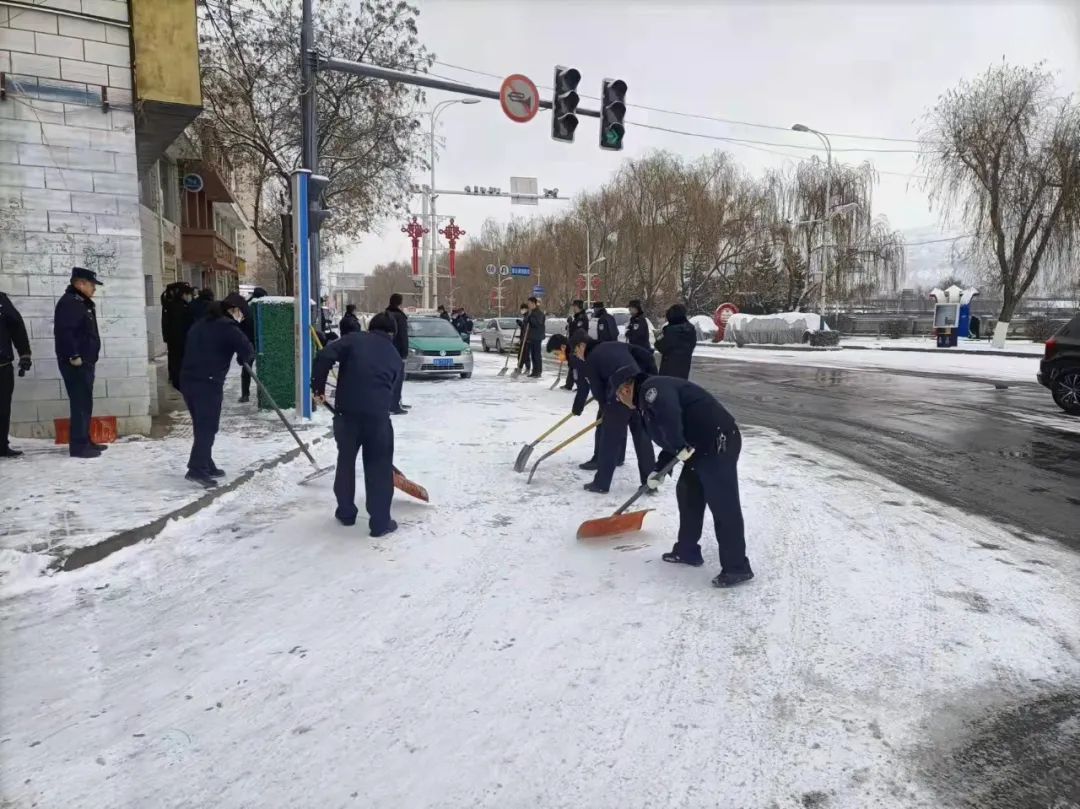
(504, 270)
(492, 269)
(519, 98)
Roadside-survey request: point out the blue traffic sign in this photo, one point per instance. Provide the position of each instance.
(538, 291)
(521, 270)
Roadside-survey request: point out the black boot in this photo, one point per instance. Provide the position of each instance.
(594, 488)
(99, 447)
(677, 558)
(201, 478)
(84, 452)
(245, 398)
(216, 471)
(731, 579)
(590, 465)
(8, 452)
(390, 528)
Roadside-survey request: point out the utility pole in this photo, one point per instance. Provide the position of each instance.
(310, 130)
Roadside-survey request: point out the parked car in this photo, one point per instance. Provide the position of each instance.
(1060, 367)
(499, 334)
(436, 349)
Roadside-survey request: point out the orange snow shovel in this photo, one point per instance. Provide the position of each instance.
(564, 444)
(622, 522)
(526, 451)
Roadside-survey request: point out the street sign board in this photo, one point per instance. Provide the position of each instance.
(527, 186)
(504, 270)
(492, 269)
(193, 183)
(538, 291)
(519, 98)
(521, 270)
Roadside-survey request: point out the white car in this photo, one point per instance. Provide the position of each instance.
(622, 317)
(499, 334)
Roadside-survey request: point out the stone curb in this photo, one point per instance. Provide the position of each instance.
(946, 351)
(87, 555)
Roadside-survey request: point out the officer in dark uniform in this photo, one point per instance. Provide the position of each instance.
(349, 321)
(607, 330)
(676, 343)
(369, 369)
(685, 421)
(596, 363)
(78, 344)
(247, 326)
(637, 330)
(212, 342)
(578, 321)
(12, 336)
(536, 331)
(401, 342)
(176, 319)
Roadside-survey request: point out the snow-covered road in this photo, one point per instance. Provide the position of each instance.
(261, 655)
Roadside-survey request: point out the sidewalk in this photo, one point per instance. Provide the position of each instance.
(46, 522)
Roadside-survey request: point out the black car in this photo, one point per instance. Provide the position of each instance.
(1060, 367)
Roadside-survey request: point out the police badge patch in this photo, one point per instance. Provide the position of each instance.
(650, 395)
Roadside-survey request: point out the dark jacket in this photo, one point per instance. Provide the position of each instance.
(576, 321)
(602, 362)
(199, 308)
(445, 315)
(349, 323)
(176, 319)
(75, 329)
(677, 414)
(12, 333)
(637, 332)
(210, 347)
(401, 335)
(368, 371)
(463, 323)
(537, 322)
(676, 345)
(607, 330)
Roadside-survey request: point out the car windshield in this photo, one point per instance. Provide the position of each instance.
(508, 323)
(621, 318)
(431, 327)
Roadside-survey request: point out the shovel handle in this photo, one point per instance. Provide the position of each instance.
(564, 444)
(285, 421)
(665, 469)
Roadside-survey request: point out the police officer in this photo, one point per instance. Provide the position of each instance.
(578, 321)
(369, 369)
(536, 322)
(524, 355)
(176, 319)
(78, 344)
(401, 343)
(637, 330)
(597, 363)
(13, 340)
(677, 342)
(247, 326)
(607, 330)
(211, 345)
(686, 422)
(349, 321)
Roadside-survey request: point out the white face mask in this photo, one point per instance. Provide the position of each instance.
(237, 315)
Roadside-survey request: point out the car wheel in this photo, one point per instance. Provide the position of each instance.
(467, 375)
(484, 345)
(498, 346)
(1066, 391)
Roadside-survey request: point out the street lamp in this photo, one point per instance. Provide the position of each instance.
(828, 198)
(431, 292)
(589, 261)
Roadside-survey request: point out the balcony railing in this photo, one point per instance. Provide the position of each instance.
(207, 248)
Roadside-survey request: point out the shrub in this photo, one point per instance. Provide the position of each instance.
(1041, 329)
(896, 328)
(824, 338)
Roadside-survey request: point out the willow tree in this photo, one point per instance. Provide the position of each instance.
(1002, 156)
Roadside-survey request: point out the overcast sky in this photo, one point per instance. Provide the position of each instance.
(869, 68)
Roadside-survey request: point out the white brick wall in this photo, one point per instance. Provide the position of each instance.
(69, 195)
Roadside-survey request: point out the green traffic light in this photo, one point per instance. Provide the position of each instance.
(612, 137)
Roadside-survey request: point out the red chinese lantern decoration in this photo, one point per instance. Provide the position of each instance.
(416, 232)
(721, 316)
(452, 233)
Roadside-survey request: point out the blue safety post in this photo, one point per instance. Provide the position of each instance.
(302, 286)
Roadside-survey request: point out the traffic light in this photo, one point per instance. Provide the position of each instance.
(612, 112)
(317, 214)
(564, 104)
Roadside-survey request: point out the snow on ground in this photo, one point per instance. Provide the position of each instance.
(928, 344)
(260, 655)
(976, 366)
(53, 503)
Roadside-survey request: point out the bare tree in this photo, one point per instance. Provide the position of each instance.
(384, 281)
(1005, 149)
(369, 138)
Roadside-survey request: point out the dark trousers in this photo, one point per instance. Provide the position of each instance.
(534, 348)
(524, 356)
(374, 436)
(569, 377)
(176, 361)
(79, 383)
(7, 388)
(612, 443)
(396, 398)
(245, 383)
(713, 481)
(203, 401)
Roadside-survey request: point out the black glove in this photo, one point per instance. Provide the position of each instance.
(663, 460)
(24, 364)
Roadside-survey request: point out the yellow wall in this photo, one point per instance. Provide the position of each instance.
(166, 51)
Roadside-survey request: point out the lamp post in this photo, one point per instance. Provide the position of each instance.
(828, 198)
(589, 263)
(431, 288)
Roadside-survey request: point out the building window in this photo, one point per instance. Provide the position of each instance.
(148, 283)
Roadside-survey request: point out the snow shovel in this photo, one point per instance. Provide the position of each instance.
(526, 451)
(521, 354)
(558, 377)
(319, 471)
(401, 482)
(565, 443)
(621, 522)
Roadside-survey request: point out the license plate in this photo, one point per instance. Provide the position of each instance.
(444, 362)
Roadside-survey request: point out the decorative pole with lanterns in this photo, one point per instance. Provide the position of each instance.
(452, 233)
(416, 232)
